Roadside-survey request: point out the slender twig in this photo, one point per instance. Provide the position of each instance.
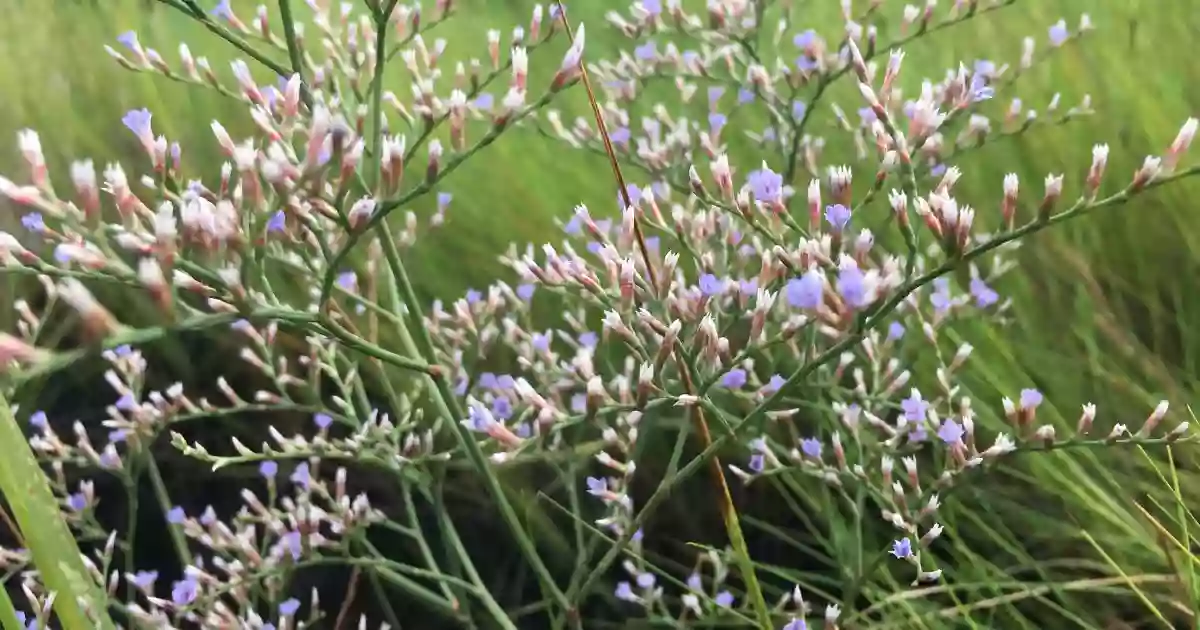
(293, 47)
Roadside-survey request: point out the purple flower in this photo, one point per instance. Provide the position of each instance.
(695, 583)
(589, 339)
(38, 420)
(487, 380)
(176, 515)
(579, 403)
(597, 487)
(117, 436)
(766, 185)
(443, 200)
(525, 291)
(745, 96)
(485, 101)
(347, 280)
(129, 39)
(984, 295)
(838, 216)
(734, 379)
(851, 284)
(138, 121)
(807, 291)
(652, 7)
(268, 469)
(796, 624)
(294, 544)
(1030, 398)
(711, 285)
(541, 342)
(289, 607)
(895, 331)
(1059, 33)
(184, 591)
(502, 408)
(724, 599)
(144, 579)
(301, 476)
(635, 195)
(34, 222)
(126, 403)
(646, 580)
(716, 122)
(223, 10)
(775, 384)
(748, 287)
(804, 63)
(625, 592)
(914, 407)
(647, 51)
(277, 222)
(322, 420)
(902, 548)
(811, 447)
(473, 296)
(951, 432)
(620, 135)
(757, 463)
(714, 94)
(77, 502)
(799, 109)
(867, 115)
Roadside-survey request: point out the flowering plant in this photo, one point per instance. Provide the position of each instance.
(719, 306)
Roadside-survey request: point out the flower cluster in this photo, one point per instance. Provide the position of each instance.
(793, 310)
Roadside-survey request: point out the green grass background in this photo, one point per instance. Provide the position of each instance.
(1103, 308)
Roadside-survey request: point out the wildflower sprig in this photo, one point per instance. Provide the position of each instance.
(754, 302)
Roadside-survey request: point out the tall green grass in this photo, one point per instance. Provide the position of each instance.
(1103, 309)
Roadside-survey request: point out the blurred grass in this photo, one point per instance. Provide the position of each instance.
(1104, 309)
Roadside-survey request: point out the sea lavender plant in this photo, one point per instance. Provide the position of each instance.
(778, 327)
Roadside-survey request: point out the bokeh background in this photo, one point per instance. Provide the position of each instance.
(1102, 310)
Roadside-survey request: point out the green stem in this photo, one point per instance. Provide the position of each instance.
(293, 47)
(81, 604)
(178, 541)
(8, 612)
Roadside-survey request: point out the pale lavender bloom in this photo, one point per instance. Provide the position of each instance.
(322, 420)
(951, 432)
(714, 94)
(126, 403)
(38, 420)
(799, 109)
(984, 295)
(301, 476)
(734, 379)
(34, 222)
(473, 296)
(502, 408)
(620, 135)
(811, 447)
(223, 10)
(895, 331)
(766, 185)
(918, 434)
(480, 419)
(724, 599)
(652, 7)
(443, 200)
(807, 291)
(77, 502)
(635, 196)
(118, 436)
(597, 486)
(525, 291)
(176, 515)
(838, 216)
(589, 339)
(488, 380)
(625, 592)
(647, 51)
(914, 407)
(711, 285)
(646, 580)
(347, 280)
(129, 39)
(775, 384)
(184, 591)
(144, 579)
(796, 624)
(716, 122)
(277, 222)
(540, 341)
(745, 96)
(1030, 398)
(1059, 33)
(748, 287)
(289, 607)
(579, 403)
(268, 469)
(937, 170)
(485, 101)
(902, 548)
(294, 544)
(757, 463)
(851, 285)
(138, 121)
(867, 115)
(695, 583)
